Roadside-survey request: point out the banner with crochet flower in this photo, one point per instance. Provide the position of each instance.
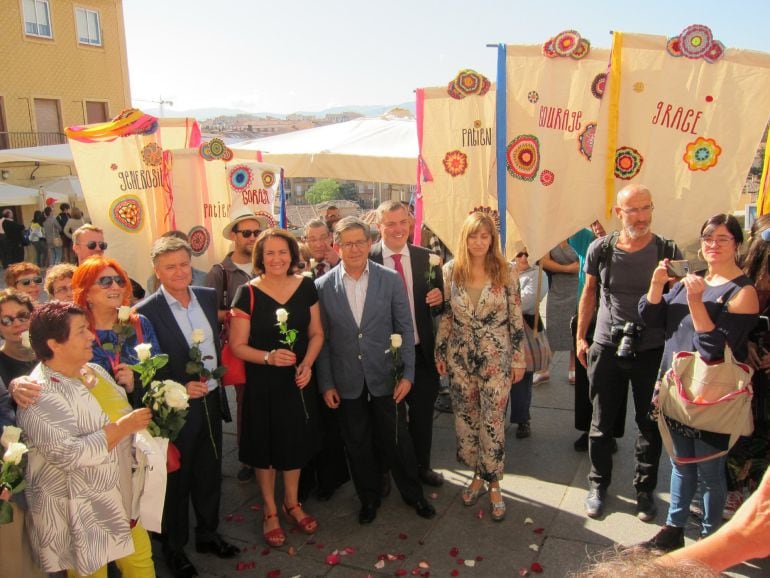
(208, 184)
(457, 154)
(553, 93)
(119, 164)
(683, 115)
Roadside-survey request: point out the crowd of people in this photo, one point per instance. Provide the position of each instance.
(345, 337)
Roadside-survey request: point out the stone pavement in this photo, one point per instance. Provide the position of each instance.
(545, 481)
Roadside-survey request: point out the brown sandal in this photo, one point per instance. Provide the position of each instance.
(276, 537)
(308, 524)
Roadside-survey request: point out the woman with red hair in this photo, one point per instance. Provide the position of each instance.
(102, 288)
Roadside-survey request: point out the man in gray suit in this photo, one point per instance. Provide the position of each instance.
(362, 305)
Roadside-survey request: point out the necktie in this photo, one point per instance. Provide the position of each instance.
(319, 269)
(399, 267)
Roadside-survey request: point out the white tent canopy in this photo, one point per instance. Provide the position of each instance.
(15, 195)
(66, 186)
(382, 149)
(49, 154)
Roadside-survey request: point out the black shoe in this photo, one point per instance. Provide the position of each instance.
(595, 502)
(245, 475)
(430, 478)
(668, 539)
(324, 494)
(645, 506)
(217, 546)
(367, 513)
(424, 509)
(385, 487)
(523, 431)
(180, 565)
(581, 444)
(443, 404)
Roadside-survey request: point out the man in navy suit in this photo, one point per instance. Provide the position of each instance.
(413, 266)
(175, 310)
(362, 305)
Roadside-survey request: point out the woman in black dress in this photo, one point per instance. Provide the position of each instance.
(279, 399)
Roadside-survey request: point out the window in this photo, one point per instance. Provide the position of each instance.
(96, 112)
(37, 18)
(47, 115)
(89, 31)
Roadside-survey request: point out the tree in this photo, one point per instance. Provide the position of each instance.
(322, 191)
(349, 191)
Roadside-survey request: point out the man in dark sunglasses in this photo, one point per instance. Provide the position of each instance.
(87, 241)
(225, 277)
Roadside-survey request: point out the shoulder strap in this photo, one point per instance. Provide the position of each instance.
(137, 323)
(605, 257)
(226, 278)
(666, 248)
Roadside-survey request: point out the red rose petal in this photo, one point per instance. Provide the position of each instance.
(400, 556)
(415, 571)
(240, 566)
(425, 574)
(460, 561)
(454, 551)
(479, 558)
(536, 567)
(274, 573)
(455, 572)
(347, 551)
(523, 571)
(265, 551)
(402, 536)
(480, 513)
(401, 572)
(539, 530)
(382, 557)
(332, 559)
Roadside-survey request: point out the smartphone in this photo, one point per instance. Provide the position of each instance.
(678, 269)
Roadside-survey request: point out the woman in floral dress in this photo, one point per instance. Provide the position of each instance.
(479, 344)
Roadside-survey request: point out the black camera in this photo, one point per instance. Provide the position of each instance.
(625, 335)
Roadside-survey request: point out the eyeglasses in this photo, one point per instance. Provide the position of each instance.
(356, 244)
(91, 245)
(106, 281)
(7, 320)
(247, 232)
(720, 241)
(30, 281)
(639, 210)
(61, 290)
(522, 254)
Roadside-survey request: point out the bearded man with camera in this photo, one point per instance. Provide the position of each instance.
(618, 270)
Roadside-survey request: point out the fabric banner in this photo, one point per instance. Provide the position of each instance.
(682, 115)
(123, 186)
(553, 97)
(209, 182)
(458, 156)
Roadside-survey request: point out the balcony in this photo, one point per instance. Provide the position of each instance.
(17, 140)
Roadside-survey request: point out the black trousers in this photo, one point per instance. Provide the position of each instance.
(200, 477)
(328, 470)
(368, 422)
(420, 401)
(584, 409)
(609, 378)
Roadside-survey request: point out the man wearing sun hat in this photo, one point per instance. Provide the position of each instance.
(235, 270)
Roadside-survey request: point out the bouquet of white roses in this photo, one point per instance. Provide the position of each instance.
(169, 403)
(11, 474)
(148, 364)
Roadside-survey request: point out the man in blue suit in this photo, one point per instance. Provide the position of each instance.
(362, 305)
(175, 310)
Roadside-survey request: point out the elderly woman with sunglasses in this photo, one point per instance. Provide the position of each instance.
(102, 288)
(25, 277)
(16, 358)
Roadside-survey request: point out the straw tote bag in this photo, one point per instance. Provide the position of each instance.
(713, 397)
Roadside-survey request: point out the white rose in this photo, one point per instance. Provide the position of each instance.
(14, 453)
(25, 340)
(123, 313)
(281, 315)
(175, 396)
(143, 351)
(198, 336)
(11, 435)
(307, 274)
(434, 260)
(395, 341)
(312, 263)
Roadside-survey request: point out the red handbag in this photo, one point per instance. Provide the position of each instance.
(236, 368)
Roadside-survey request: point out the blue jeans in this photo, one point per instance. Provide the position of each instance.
(684, 483)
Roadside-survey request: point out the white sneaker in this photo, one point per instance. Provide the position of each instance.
(541, 378)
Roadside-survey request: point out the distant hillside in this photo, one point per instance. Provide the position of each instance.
(207, 113)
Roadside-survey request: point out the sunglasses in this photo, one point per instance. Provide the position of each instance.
(30, 281)
(7, 320)
(91, 245)
(248, 232)
(522, 254)
(106, 281)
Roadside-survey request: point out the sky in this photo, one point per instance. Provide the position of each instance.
(302, 55)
